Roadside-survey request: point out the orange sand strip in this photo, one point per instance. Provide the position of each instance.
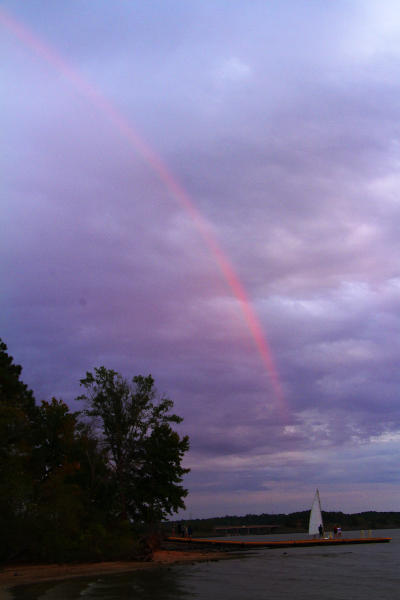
(11, 576)
(284, 543)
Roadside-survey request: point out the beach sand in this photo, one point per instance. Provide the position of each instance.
(11, 576)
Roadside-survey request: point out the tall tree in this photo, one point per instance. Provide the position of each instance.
(17, 415)
(17, 407)
(144, 451)
(12, 389)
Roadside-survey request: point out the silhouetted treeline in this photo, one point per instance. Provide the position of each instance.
(85, 485)
(298, 521)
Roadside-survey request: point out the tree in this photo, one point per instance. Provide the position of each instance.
(17, 415)
(12, 389)
(17, 408)
(54, 478)
(144, 451)
(160, 475)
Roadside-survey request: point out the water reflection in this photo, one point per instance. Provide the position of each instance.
(166, 583)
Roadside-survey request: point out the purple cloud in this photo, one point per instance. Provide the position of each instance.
(281, 123)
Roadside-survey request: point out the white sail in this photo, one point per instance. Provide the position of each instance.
(315, 516)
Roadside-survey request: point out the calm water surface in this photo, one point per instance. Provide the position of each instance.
(364, 572)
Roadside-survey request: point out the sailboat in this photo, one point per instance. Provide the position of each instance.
(314, 529)
(315, 516)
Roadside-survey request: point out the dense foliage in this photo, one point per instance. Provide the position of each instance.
(82, 485)
(144, 451)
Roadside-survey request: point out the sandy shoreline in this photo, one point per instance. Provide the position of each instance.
(11, 576)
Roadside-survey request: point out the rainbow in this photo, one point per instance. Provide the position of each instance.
(171, 183)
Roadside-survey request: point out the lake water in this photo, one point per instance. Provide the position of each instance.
(354, 572)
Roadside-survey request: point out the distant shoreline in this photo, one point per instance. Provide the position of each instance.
(15, 575)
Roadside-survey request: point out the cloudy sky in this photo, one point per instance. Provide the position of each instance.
(208, 191)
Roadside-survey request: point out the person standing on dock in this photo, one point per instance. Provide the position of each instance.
(321, 531)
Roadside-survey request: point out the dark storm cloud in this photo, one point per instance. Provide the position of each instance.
(281, 121)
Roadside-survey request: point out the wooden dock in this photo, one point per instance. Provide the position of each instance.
(280, 544)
